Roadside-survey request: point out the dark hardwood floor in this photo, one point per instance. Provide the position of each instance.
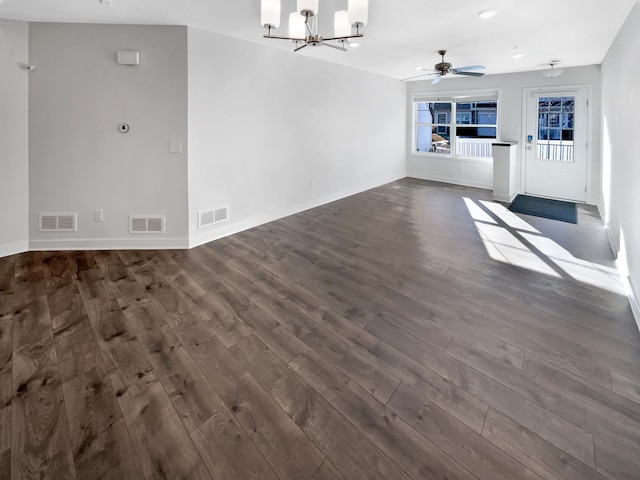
(414, 331)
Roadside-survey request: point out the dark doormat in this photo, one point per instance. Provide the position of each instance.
(545, 208)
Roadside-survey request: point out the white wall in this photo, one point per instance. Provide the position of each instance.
(620, 202)
(14, 137)
(479, 173)
(79, 161)
(272, 133)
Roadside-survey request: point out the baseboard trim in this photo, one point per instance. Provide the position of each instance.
(14, 248)
(634, 300)
(454, 181)
(504, 198)
(109, 244)
(215, 233)
(612, 241)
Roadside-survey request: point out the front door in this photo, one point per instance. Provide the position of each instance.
(556, 145)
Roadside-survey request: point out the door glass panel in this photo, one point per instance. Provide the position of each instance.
(555, 128)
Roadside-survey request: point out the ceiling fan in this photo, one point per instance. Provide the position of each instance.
(445, 68)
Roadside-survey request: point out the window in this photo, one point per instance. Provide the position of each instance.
(433, 128)
(470, 135)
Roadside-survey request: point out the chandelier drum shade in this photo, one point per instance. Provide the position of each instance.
(303, 23)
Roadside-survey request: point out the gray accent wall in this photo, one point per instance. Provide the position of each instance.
(79, 160)
(14, 137)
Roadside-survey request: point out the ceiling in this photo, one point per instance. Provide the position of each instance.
(400, 36)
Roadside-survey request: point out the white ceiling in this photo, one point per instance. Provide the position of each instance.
(401, 34)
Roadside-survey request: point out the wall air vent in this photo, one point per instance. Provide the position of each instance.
(146, 224)
(58, 222)
(211, 217)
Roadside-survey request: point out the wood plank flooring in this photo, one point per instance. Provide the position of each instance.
(414, 331)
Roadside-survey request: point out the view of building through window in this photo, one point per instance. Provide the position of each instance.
(555, 128)
(465, 129)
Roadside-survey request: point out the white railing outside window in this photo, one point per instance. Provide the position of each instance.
(475, 147)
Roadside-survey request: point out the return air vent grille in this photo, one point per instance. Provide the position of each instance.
(206, 218)
(221, 214)
(211, 217)
(146, 224)
(58, 222)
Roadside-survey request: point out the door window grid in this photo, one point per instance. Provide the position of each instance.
(555, 128)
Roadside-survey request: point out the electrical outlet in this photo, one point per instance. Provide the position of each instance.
(98, 215)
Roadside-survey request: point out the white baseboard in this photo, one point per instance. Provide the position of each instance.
(13, 248)
(634, 300)
(109, 244)
(612, 241)
(221, 231)
(454, 181)
(504, 198)
(635, 304)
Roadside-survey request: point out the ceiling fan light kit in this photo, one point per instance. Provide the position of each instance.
(303, 23)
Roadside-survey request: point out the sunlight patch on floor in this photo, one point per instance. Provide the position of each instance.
(477, 213)
(504, 247)
(508, 217)
(586, 272)
(510, 239)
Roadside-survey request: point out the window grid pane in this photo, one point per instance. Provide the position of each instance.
(470, 127)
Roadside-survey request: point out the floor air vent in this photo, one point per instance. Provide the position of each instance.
(146, 224)
(58, 222)
(211, 217)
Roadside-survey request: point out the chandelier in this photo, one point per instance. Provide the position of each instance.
(303, 23)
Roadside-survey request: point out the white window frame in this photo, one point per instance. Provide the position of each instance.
(454, 98)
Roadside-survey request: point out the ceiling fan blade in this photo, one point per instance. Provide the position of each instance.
(415, 76)
(436, 80)
(471, 67)
(425, 69)
(468, 74)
